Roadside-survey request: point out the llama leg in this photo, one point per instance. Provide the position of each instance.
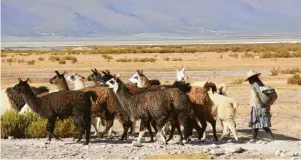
(204, 126)
(231, 125)
(133, 128)
(81, 128)
(141, 133)
(150, 131)
(50, 129)
(94, 124)
(153, 123)
(126, 127)
(225, 129)
(108, 126)
(197, 128)
(87, 121)
(213, 124)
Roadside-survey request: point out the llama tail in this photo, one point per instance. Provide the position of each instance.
(91, 94)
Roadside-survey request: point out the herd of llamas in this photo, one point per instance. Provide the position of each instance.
(161, 108)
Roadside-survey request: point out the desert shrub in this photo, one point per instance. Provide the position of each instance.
(266, 55)
(233, 55)
(176, 59)
(296, 54)
(144, 59)
(124, 60)
(41, 58)
(290, 70)
(295, 79)
(53, 58)
(62, 61)
(107, 57)
(31, 62)
(9, 60)
(274, 71)
(21, 61)
(237, 81)
(167, 59)
(30, 125)
(247, 55)
(3, 55)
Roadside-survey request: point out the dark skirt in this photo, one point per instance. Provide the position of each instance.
(260, 117)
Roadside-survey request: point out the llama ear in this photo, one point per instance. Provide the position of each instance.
(19, 79)
(92, 71)
(28, 80)
(183, 68)
(108, 72)
(57, 72)
(117, 75)
(141, 71)
(95, 70)
(104, 72)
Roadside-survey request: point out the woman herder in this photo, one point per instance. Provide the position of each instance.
(260, 114)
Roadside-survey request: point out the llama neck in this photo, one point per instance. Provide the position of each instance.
(122, 92)
(143, 83)
(31, 99)
(79, 84)
(63, 86)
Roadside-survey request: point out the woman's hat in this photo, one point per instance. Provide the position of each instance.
(252, 73)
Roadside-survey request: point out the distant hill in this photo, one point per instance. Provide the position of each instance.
(79, 18)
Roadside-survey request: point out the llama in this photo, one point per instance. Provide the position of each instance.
(224, 108)
(11, 99)
(63, 104)
(107, 107)
(78, 82)
(199, 97)
(134, 79)
(158, 105)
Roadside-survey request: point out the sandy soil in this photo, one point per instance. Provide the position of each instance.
(286, 113)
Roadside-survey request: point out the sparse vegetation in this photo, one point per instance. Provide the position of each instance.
(62, 61)
(30, 125)
(284, 50)
(233, 55)
(41, 58)
(107, 57)
(237, 81)
(290, 70)
(274, 71)
(124, 60)
(144, 59)
(53, 58)
(248, 55)
(167, 59)
(176, 59)
(295, 79)
(31, 62)
(9, 60)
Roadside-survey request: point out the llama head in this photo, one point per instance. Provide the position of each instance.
(95, 76)
(22, 86)
(181, 75)
(58, 78)
(112, 83)
(105, 77)
(75, 77)
(134, 78)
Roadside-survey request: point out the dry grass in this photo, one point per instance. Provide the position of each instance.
(41, 58)
(234, 55)
(31, 62)
(107, 57)
(124, 60)
(136, 60)
(290, 70)
(274, 71)
(295, 79)
(176, 59)
(284, 50)
(237, 81)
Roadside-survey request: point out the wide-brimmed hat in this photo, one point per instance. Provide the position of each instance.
(252, 73)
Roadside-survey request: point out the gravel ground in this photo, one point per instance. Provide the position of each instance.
(114, 149)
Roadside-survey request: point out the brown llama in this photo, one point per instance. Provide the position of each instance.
(106, 106)
(62, 104)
